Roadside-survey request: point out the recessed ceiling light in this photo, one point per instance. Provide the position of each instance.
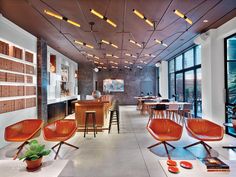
(205, 21)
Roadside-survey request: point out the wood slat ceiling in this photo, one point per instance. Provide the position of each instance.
(174, 31)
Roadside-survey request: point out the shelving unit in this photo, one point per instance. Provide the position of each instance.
(18, 87)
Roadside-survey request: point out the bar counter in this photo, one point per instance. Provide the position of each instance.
(101, 108)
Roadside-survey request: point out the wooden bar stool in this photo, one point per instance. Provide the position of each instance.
(89, 114)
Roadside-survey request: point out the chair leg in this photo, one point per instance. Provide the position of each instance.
(111, 115)
(154, 145)
(170, 145)
(199, 142)
(70, 145)
(20, 149)
(58, 150)
(26, 142)
(55, 145)
(167, 152)
(85, 126)
(229, 147)
(118, 121)
(94, 126)
(205, 146)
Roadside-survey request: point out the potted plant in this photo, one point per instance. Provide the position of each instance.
(33, 155)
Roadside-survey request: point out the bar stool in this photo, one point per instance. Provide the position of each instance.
(114, 116)
(89, 114)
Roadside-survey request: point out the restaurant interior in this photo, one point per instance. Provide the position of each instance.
(108, 88)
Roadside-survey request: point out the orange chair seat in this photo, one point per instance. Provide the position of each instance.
(18, 137)
(204, 130)
(60, 130)
(165, 130)
(23, 130)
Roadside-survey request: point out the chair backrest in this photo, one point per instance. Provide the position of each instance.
(173, 107)
(31, 125)
(160, 107)
(165, 100)
(164, 126)
(64, 126)
(187, 106)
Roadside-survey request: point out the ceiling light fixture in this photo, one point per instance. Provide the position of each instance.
(181, 15)
(205, 21)
(61, 18)
(130, 55)
(127, 67)
(110, 55)
(149, 55)
(109, 43)
(140, 15)
(103, 17)
(134, 42)
(94, 56)
(115, 67)
(140, 67)
(84, 44)
(160, 42)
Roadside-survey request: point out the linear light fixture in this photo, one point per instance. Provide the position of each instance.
(127, 67)
(130, 55)
(103, 17)
(149, 55)
(94, 56)
(110, 55)
(84, 44)
(140, 15)
(181, 15)
(109, 43)
(140, 67)
(104, 67)
(115, 67)
(141, 61)
(134, 42)
(61, 18)
(160, 42)
(96, 62)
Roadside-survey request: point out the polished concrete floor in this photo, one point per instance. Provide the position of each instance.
(124, 154)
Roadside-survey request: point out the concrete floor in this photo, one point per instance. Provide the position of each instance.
(124, 154)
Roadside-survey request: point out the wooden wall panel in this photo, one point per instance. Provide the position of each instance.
(19, 104)
(29, 79)
(30, 90)
(4, 48)
(29, 57)
(2, 77)
(30, 102)
(17, 52)
(29, 69)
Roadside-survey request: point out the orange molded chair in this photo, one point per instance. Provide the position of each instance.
(203, 130)
(164, 130)
(60, 130)
(22, 132)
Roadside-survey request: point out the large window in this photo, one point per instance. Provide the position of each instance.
(230, 81)
(185, 78)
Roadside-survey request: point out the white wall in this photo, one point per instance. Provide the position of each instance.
(163, 69)
(19, 37)
(55, 78)
(213, 92)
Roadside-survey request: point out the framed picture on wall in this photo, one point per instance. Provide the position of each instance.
(113, 85)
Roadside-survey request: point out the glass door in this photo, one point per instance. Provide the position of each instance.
(179, 87)
(198, 93)
(189, 95)
(230, 81)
